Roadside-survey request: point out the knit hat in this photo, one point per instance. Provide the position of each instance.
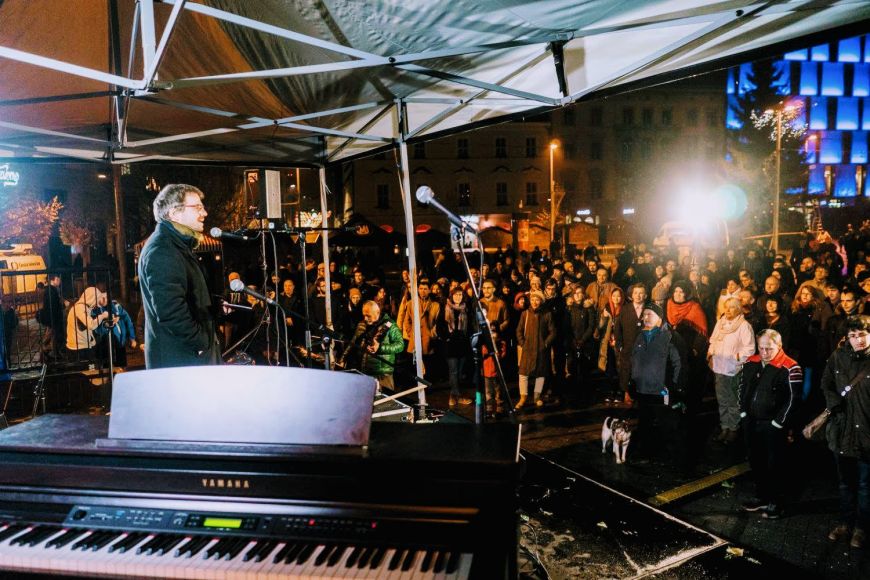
(653, 307)
(537, 293)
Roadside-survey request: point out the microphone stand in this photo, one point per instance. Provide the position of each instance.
(483, 324)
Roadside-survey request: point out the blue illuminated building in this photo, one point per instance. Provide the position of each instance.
(833, 82)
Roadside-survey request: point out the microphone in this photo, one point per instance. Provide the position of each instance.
(427, 196)
(220, 234)
(239, 286)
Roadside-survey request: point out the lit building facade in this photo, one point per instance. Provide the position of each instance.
(621, 155)
(831, 83)
(496, 170)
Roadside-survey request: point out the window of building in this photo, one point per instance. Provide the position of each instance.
(531, 193)
(596, 184)
(383, 196)
(667, 117)
(568, 116)
(531, 147)
(462, 148)
(596, 117)
(419, 151)
(628, 116)
(646, 117)
(595, 151)
(570, 150)
(501, 148)
(501, 193)
(713, 118)
(463, 190)
(646, 149)
(626, 151)
(692, 117)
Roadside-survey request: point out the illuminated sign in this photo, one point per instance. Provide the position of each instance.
(8, 177)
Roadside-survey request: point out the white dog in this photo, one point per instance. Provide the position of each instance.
(618, 433)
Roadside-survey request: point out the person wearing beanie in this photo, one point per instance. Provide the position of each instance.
(655, 371)
(536, 333)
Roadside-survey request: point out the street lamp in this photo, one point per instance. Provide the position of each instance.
(554, 144)
(774, 242)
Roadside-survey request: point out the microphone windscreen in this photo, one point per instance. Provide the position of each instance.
(425, 194)
(237, 285)
(215, 232)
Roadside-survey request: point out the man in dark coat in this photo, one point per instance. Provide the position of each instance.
(655, 370)
(768, 397)
(846, 386)
(626, 326)
(53, 314)
(179, 324)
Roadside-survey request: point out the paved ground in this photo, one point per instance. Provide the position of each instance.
(704, 495)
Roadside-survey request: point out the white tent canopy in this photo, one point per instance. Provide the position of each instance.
(314, 82)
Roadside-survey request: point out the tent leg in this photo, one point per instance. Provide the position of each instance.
(412, 256)
(328, 350)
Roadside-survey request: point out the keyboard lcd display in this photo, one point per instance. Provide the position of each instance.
(231, 523)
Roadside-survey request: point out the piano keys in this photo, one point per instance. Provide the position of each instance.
(433, 501)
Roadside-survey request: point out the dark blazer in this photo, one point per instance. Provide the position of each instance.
(626, 327)
(179, 326)
(656, 364)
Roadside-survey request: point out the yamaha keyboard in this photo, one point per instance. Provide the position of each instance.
(426, 501)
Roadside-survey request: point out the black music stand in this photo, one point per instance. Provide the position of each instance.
(288, 410)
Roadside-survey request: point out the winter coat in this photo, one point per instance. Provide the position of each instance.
(179, 326)
(536, 333)
(496, 313)
(626, 326)
(430, 310)
(848, 428)
(650, 360)
(390, 345)
(771, 392)
(731, 344)
(579, 325)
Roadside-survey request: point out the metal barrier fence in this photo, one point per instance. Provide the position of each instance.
(38, 322)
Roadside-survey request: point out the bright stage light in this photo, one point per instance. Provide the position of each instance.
(727, 202)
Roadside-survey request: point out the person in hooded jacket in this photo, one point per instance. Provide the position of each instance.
(846, 387)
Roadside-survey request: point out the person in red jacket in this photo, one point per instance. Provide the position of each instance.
(490, 375)
(768, 397)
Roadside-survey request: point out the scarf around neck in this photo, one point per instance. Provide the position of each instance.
(187, 232)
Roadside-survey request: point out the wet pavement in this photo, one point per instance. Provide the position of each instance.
(584, 516)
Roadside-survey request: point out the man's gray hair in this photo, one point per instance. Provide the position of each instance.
(171, 197)
(771, 335)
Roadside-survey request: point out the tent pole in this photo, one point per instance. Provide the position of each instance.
(120, 233)
(412, 251)
(325, 241)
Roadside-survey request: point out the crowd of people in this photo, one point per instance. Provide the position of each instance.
(660, 327)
